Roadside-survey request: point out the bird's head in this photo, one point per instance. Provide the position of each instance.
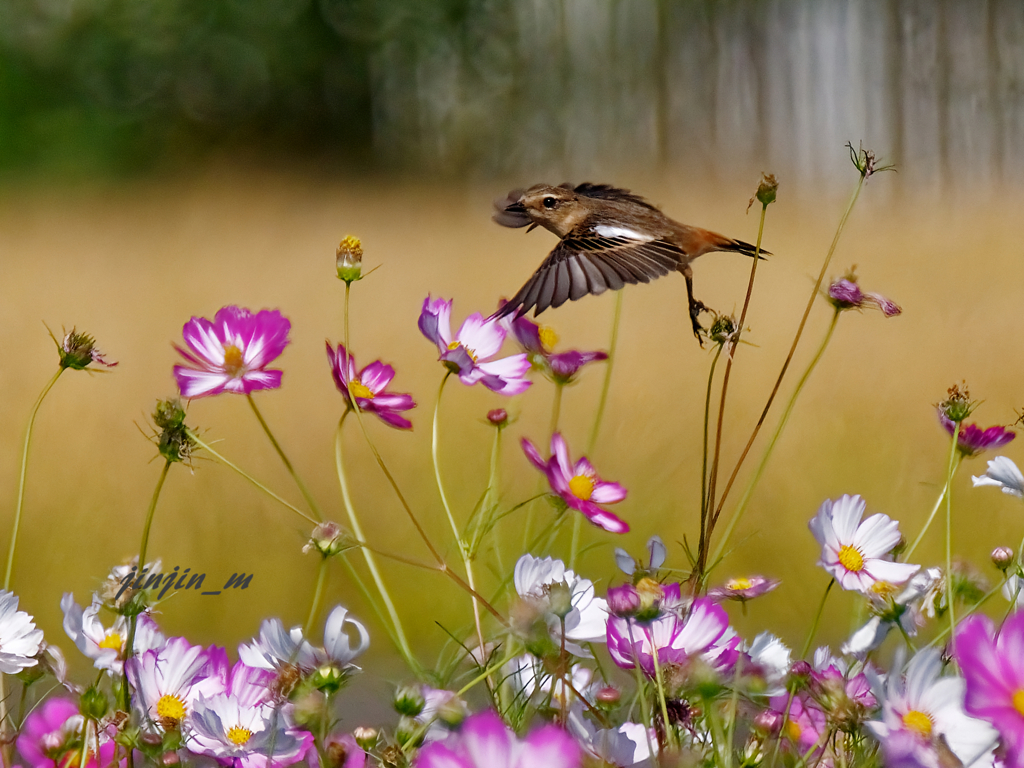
(557, 209)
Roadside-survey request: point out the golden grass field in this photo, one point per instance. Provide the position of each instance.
(131, 262)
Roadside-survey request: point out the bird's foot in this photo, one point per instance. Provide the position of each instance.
(696, 307)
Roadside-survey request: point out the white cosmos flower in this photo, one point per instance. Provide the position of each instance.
(168, 680)
(19, 639)
(527, 675)
(1003, 474)
(905, 610)
(628, 746)
(106, 646)
(1013, 590)
(855, 552)
(276, 647)
(586, 621)
(928, 708)
(772, 657)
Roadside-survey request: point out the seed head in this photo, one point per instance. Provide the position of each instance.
(173, 439)
(766, 190)
(958, 404)
(78, 351)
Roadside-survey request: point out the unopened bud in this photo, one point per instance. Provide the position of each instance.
(607, 697)
(328, 538)
(170, 758)
(93, 703)
(767, 189)
(406, 729)
(365, 737)
(328, 678)
(409, 700)
(560, 597)
(768, 722)
(498, 417)
(1002, 557)
(350, 259)
(623, 601)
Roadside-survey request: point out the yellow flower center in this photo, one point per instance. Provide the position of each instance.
(548, 337)
(883, 588)
(793, 731)
(239, 735)
(233, 362)
(113, 640)
(850, 558)
(738, 584)
(582, 487)
(361, 390)
(1018, 701)
(171, 707)
(918, 722)
(456, 344)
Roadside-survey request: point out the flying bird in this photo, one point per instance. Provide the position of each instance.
(609, 237)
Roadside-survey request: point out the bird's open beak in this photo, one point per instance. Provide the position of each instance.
(510, 211)
(516, 207)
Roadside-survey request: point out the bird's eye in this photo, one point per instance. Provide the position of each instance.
(550, 202)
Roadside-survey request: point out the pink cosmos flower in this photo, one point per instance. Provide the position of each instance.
(993, 668)
(806, 723)
(52, 736)
(743, 588)
(854, 552)
(468, 353)
(168, 680)
(539, 342)
(578, 484)
(485, 742)
(972, 439)
(231, 353)
(368, 386)
(673, 638)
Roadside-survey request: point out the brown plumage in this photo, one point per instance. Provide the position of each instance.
(609, 237)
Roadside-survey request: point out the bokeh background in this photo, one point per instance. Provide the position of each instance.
(160, 159)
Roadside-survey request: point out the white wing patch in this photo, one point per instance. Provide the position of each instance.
(604, 230)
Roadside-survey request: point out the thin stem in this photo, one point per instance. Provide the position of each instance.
(556, 407)
(745, 500)
(950, 469)
(574, 546)
(702, 556)
(704, 454)
(230, 465)
(490, 501)
(603, 400)
(670, 735)
(130, 642)
(303, 489)
(792, 349)
(931, 516)
(371, 561)
(21, 478)
(817, 620)
(463, 549)
(318, 593)
(645, 717)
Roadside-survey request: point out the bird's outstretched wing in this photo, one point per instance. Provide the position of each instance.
(593, 260)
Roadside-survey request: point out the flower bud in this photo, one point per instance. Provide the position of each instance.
(767, 189)
(328, 538)
(452, 711)
(1002, 557)
(328, 678)
(844, 293)
(78, 350)
(170, 758)
(768, 722)
(406, 730)
(607, 697)
(350, 259)
(560, 597)
(409, 700)
(651, 595)
(799, 674)
(365, 737)
(498, 417)
(93, 703)
(623, 601)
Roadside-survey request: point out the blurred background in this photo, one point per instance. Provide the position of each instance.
(160, 159)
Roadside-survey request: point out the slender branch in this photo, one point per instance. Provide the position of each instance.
(314, 508)
(950, 469)
(318, 593)
(931, 516)
(612, 347)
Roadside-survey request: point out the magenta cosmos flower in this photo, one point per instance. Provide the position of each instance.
(993, 667)
(539, 342)
(468, 353)
(52, 736)
(231, 353)
(972, 439)
(485, 742)
(368, 386)
(844, 293)
(743, 588)
(674, 639)
(578, 484)
(855, 553)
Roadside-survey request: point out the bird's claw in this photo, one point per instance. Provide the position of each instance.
(696, 307)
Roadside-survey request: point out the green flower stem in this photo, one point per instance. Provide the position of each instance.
(129, 644)
(749, 491)
(702, 555)
(984, 599)
(371, 562)
(230, 465)
(318, 594)
(574, 546)
(670, 735)
(817, 620)
(490, 503)
(21, 480)
(603, 401)
(931, 516)
(556, 407)
(704, 453)
(792, 349)
(950, 469)
(310, 501)
(645, 716)
(463, 548)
